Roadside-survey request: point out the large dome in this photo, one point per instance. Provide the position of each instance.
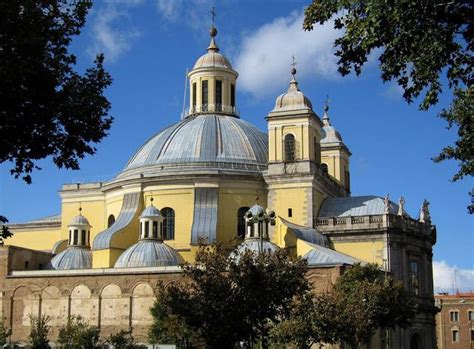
(202, 142)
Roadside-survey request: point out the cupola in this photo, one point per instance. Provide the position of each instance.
(78, 254)
(150, 250)
(212, 82)
(293, 99)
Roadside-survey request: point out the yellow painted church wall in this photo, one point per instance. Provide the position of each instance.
(93, 208)
(371, 251)
(36, 239)
(292, 196)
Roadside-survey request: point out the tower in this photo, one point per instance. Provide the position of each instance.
(334, 153)
(297, 183)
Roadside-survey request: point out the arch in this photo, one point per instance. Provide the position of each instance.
(142, 300)
(416, 342)
(110, 220)
(289, 147)
(241, 222)
(54, 306)
(82, 304)
(168, 223)
(24, 303)
(114, 308)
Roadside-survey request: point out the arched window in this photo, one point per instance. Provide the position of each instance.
(325, 167)
(204, 96)
(289, 147)
(168, 223)
(241, 222)
(110, 220)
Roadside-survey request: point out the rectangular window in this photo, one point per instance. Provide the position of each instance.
(194, 95)
(75, 237)
(218, 95)
(472, 335)
(454, 316)
(455, 336)
(27, 264)
(155, 230)
(290, 212)
(204, 96)
(470, 315)
(414, 278)
(40, 266)
(146, 229)
(83, 236)
(232, 95)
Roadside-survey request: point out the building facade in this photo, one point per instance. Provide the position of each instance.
(455, 320)
(202, 179)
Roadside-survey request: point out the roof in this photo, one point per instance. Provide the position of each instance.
(151, 212)
(254, 245)
(212, 59)
(148, 253)
(355, 206)
(205, 215)
(307, 234)
(320, 256)
(48, 219)
(79, 220)
(74, 257)
(207, 141)
(293, 99)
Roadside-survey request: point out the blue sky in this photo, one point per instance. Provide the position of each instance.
(148, 45)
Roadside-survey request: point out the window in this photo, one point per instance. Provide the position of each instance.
(347, 178)
(110, 220)
(40, 266)
(290, 212)
(194, 95)
(325, 167)
(470, 315)
(83, 237)
(232, 95)
(455, 334)
(289, 147)
(27, 264)
(241, 222)
(155, 230)
(204, 91)
(454, 316)
(146, 229)
(472, 335)
(168, 223)
(218, 95)
(414, 278)
(75, 236)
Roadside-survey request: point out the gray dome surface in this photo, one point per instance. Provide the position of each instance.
(150, 212)
(254, 246)
(200, 142)
(148, 253)
(74, 257)
(79, 220)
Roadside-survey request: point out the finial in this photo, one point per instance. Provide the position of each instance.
(326, 104)
(151, 201)
(386, 204)
(293, 64)
(401, 206)
(213, 30)
(80, 209)
(256, 199)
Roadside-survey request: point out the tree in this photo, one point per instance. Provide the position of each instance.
(123, 340)
(47, 108)
(39, 331)
(361, 301)
(5, 233)
(5, 332)
(421, 44)
(224, 300)
(78, 334)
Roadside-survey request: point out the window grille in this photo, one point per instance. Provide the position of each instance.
(168, 223)
(289, 147)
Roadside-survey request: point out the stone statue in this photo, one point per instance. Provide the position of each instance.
(425, 212)
(401, 206)
(386, 203)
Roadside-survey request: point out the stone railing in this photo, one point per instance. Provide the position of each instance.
(211, 109)
(326, 224)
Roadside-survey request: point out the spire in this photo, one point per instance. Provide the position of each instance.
(213, 32)
(326, 121)
(293, 83)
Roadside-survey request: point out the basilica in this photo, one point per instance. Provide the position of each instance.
(213, 176)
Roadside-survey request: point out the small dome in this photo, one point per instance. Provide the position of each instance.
(79, 220)
(293, 99)
(212, 59)
(74, 257)
(331, 135)
(254, 245)
(257, 210)
(149, 253)
(151, 212)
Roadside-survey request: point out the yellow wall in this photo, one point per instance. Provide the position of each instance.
(338, 162)
(36, 239)
(371, 251)
(93, 208)
(105, 258)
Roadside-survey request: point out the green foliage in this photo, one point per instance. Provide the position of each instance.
(5, 233)
(361, 301)
(123, 340)
(46, 108)
(78, 334)
(421, 44)
(4, 334)
(39, 331)
(224, 300)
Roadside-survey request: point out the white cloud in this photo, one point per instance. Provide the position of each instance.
(265, 57)
(195, 14)
(444, 274)
(393, 91)
(108, 30)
